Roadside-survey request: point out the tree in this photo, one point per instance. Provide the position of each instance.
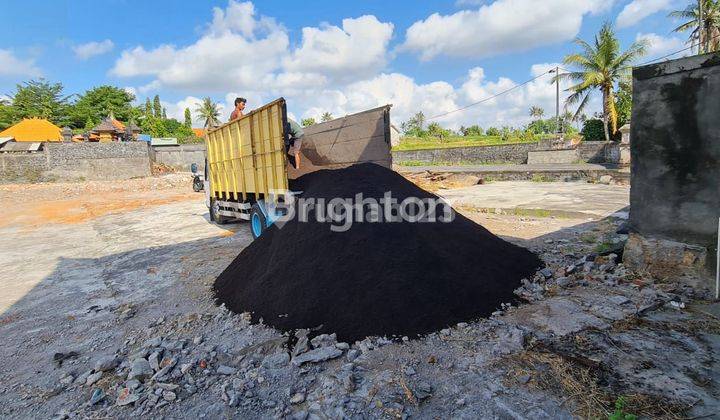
(6, 114)
(414, 126)
(473, 130)
(148, 108)
(536, 112)
(623, 102)
(599, 67)
(164, 114)
(326, 116)
(492, 131)
(705, 35)
(157, 108)
(593, 130)
(41, 99)
(209, 112)
(99, 102)
(188, 118)
(435, 130)
(307, 122)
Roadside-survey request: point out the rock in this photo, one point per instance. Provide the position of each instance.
(154, 361)
(153, 342)
(342, 346)
(97, 396)
(169, 396)
(409, 371)
(132, 384)
(185, 367)
(618, 299)
(197, 340)
(67, 379)
(226, 370)
(301, 346)
(317, 355)
(523, 379)
(93, 378)
(82, 379)
(324, 340)
(276, 361)
(546, 272)
(605, 179)
(107, 363)
(460, 402)
(562, 281)
(167, 364)
(423, 390)
(126, 397)
(353, 354)
(140, 370)
(297, 398)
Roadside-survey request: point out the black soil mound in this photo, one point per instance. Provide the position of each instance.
(381, 279)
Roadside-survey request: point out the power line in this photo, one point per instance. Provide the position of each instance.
(549, 72)
(490, 97)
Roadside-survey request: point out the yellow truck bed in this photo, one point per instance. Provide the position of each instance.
(246, 157)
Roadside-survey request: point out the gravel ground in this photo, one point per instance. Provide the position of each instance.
(110, 316)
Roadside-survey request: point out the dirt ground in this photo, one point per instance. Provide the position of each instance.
(105, 311)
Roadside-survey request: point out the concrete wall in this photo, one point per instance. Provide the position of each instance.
(506, 153)
(675, 150)
(72, 161)
(180, 157)
(553, 156)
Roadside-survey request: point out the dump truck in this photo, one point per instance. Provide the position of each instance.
(249, 159)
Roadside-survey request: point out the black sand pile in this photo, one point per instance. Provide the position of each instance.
(382, 279)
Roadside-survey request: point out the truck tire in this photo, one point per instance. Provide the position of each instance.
(257, 221)
(214, 216)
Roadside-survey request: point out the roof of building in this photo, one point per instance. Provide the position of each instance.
(33, 129)
(109, 125)
(133, 127)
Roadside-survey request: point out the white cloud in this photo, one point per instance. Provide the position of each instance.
(637, 10)
(659, 45)
(500, 27)
(91, 49)
(15, 66)
(358, 49)
(242, 51)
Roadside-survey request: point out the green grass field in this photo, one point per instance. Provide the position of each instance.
(415, 143)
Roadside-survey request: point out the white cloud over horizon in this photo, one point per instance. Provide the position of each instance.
(12, 65)
(660, 45)
(339, 69)
(92, 49)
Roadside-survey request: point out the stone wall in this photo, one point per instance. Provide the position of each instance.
(675, 149)
(180, 157)
(506, 153)
(553, 156)
(594, 151)
(77, 161)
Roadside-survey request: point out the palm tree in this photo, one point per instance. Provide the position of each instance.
(536, 112)
(600, 66)
(208, 111)
(326, 116)
(707, 37)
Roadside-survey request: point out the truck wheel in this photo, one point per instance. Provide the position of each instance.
(215, 216)
(257, 221)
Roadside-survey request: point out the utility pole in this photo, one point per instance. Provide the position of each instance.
(557, 100)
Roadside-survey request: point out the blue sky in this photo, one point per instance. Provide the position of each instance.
(340, 57)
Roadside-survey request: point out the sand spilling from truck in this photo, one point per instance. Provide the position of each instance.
(374, 279)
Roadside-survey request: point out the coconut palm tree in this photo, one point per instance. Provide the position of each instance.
(326, 116)
(599, 67)
(208, 111)
(707, 36)
(536, 112)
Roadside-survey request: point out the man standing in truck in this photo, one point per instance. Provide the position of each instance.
(239, 108)
(295, 135)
